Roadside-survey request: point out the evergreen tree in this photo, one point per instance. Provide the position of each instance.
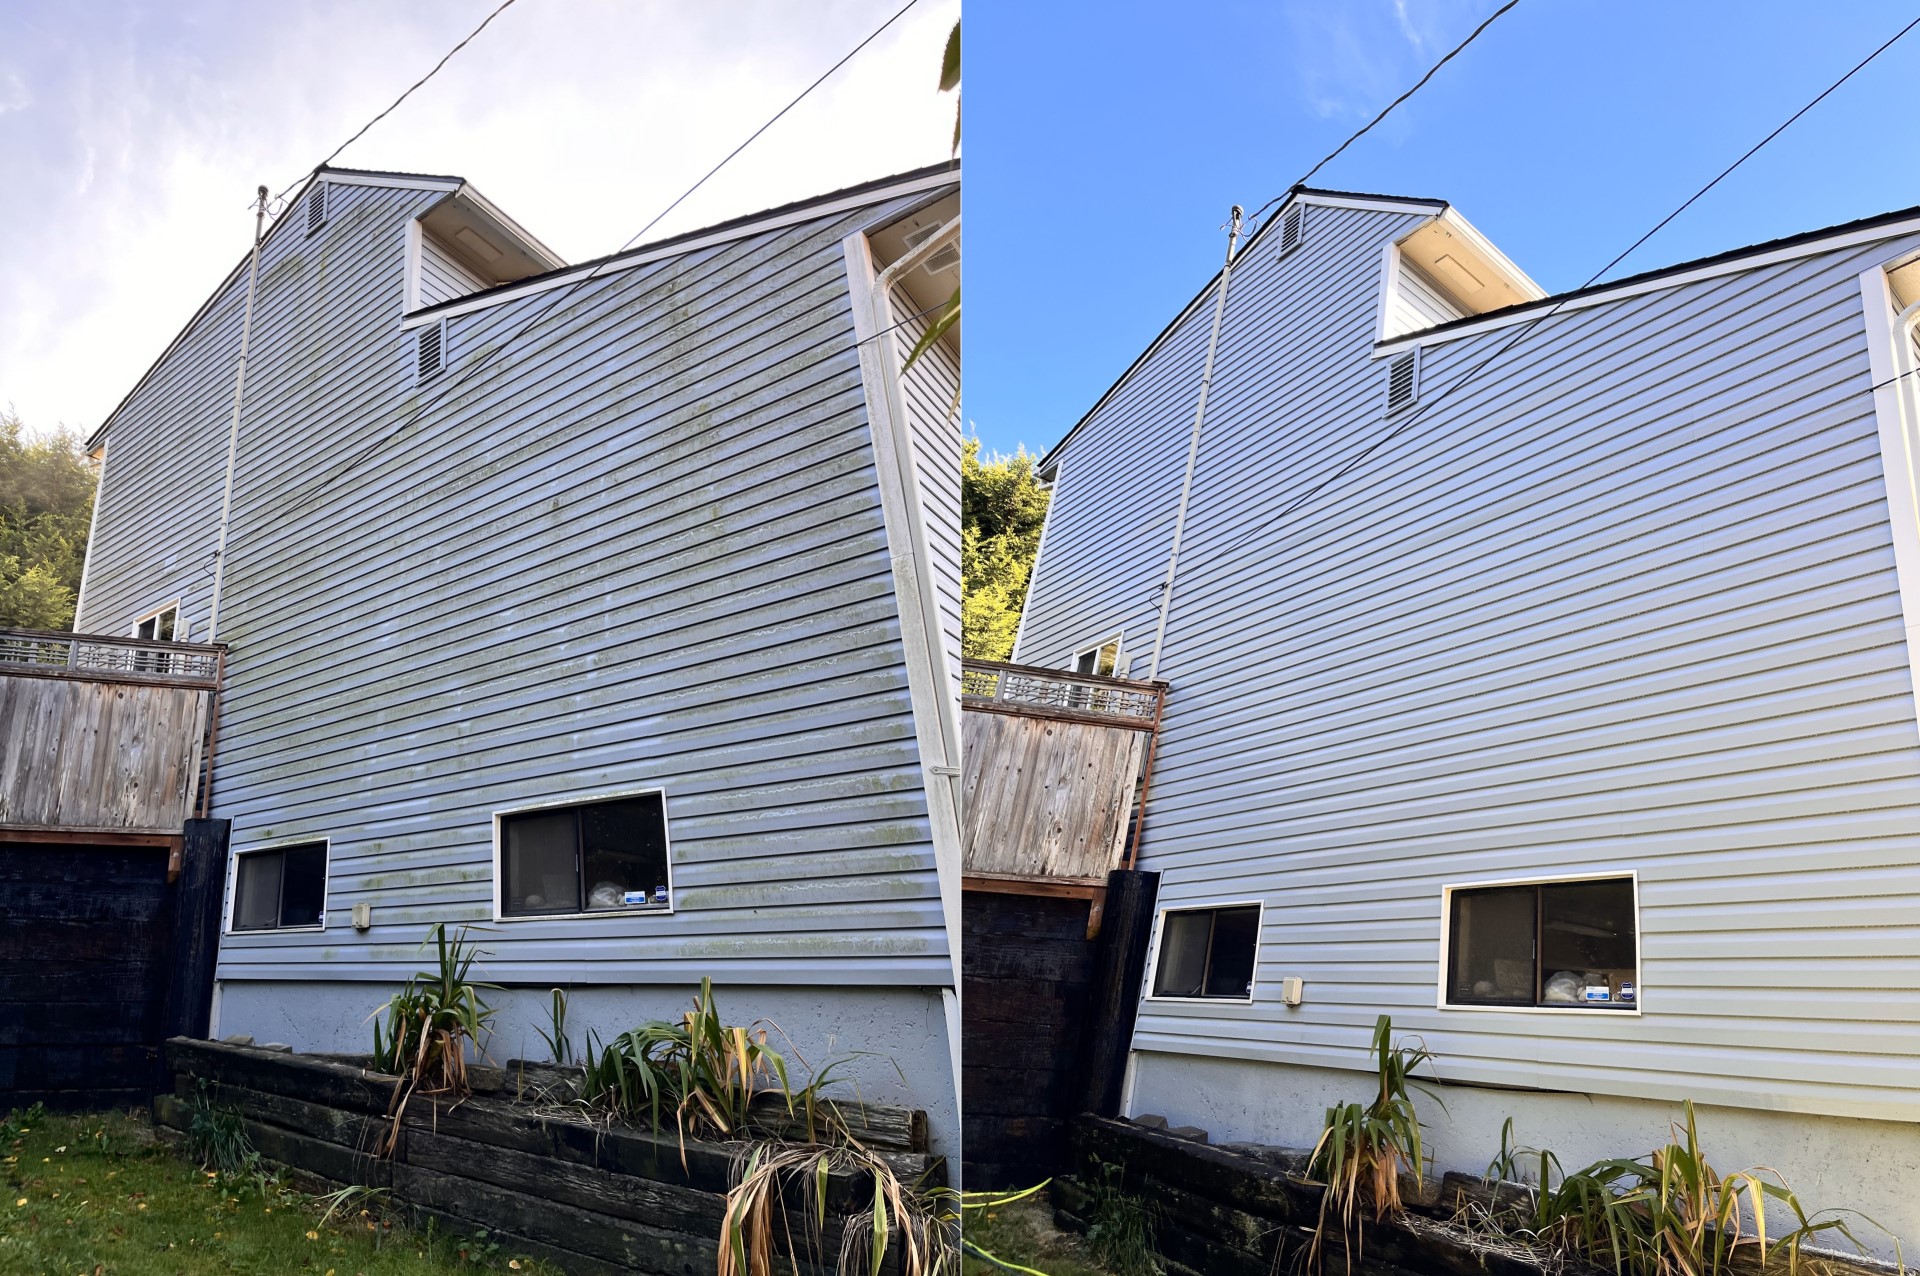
(46, 503)
(1002, 507)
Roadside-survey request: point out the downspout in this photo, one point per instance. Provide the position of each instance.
(1193, 447)
(233, 428)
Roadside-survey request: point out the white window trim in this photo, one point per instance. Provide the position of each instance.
(1590, 1012)
(1119, 640)
(278, 844)
(648, 910)
(1153, 953)
(179, 622)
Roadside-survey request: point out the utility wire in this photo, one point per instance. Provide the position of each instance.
(1388, 110)
(1425, 405)
(588, 275)
(361, 131)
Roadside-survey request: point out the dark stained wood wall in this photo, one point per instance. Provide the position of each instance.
(83, 943)
(102, 958)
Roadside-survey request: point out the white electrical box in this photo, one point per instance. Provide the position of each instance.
(1292, 991)
(363, 916)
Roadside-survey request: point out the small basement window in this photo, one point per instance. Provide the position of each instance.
(591, 857)
(284, 888)
(1208, 952)
(1559, 944)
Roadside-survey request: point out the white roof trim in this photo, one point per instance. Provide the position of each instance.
(1520, 279)
(643, 255)
(1607, 295)
(337, 178)
(1366, 203)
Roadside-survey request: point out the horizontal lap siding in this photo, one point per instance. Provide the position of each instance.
(642, 548)
(931, 388)
(442, 276)
(1110, 524)
(1418, 303)
(1626, 600)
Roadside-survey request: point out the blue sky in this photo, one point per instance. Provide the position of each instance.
(1105, 144)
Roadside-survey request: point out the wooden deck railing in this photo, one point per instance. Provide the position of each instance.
(1052, 762)
(76, 758)
(106, 657)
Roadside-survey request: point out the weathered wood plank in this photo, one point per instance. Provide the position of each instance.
(99, 754)
(1046, 796)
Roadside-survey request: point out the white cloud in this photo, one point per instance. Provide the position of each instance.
(151, 125)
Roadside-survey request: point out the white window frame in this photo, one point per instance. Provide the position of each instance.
(1119, 641)
(179, 622)
(1591, 1012)
(602, 914)
(278, 844)
(1153, 952)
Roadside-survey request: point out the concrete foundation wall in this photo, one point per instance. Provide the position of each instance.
(1829, 1162)
(898, 1035)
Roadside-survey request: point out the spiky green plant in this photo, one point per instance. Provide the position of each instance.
(706, 1073)
(918, 1219)
(1365, 1147)
(1673, 1214)
(431, 1023)
(559, 1045)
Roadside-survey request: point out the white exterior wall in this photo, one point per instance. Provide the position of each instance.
(643, 549)
(1626, 603)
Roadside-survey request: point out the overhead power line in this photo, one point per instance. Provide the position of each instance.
(1426, 405)
(1366, 128)
(588, 274)
(361, 131)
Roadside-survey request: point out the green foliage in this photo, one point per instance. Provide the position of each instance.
(1670, 1213)
(431, 1022)
(1364, 1148)
(1120, 1226)
(216, 1137)
(1002, 507)
(920, 1221)
(705, 1072)
(46, 502)
(559, 1045)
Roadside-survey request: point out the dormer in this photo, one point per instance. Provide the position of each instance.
(463, 245)
(1446, 270)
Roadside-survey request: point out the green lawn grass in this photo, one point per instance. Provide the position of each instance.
(99, 1195)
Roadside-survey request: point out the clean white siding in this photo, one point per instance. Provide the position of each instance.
(1418, 303)
(931, 389)
(644, 549)
(442, 276)
(1626, 601)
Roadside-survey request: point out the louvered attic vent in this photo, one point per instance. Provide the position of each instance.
(1293, 228)
(941, 258)
(1403, 381)
(430, 352)
(317, 207)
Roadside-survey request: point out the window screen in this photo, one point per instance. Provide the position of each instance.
(1550, 944)
(1208, 952)
(280, 888)
(594, 857)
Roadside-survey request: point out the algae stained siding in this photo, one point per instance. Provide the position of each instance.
(1626, 602)
(931, 392)
(642, 548)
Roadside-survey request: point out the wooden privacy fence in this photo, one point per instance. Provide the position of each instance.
(1052, 762)
(104, 735)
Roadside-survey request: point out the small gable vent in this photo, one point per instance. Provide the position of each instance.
(1293, 228)
(431, 352)
(317, 207)
(1403, 381)
(945, 257)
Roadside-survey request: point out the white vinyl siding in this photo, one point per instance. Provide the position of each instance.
(442, 275)
(644, 550)
(1628, 599)
(931, 392)
(1419, 303)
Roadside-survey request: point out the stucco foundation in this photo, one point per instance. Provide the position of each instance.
(893, 1040)
(1830, 1162)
